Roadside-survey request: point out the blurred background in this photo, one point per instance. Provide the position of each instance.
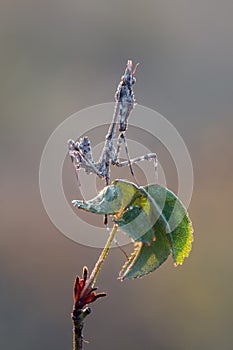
(58, 57)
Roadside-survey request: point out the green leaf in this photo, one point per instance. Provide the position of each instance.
(146, 257)
(138, 219)
(111, 200)
(135, 223)
(181, 230)
(152, 216)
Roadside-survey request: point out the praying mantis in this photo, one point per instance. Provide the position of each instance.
(80, 151)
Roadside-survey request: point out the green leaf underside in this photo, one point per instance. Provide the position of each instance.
(152, 216)
(134, 222)
(146, 258)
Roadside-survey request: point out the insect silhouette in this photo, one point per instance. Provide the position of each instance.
(80, 151)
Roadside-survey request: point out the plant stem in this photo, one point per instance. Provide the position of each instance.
(92, 279)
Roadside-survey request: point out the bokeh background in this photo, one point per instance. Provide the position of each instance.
(58, 57)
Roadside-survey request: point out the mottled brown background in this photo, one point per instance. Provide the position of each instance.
(58, 57)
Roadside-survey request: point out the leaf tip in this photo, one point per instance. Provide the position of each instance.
(77, 203)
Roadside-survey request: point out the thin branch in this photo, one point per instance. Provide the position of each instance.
(78, 316)
(92, 279)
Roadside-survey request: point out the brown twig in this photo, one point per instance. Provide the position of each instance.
(78, 316)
